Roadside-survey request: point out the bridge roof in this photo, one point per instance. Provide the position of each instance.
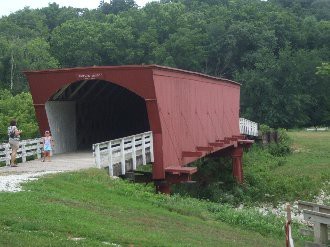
(132, 67)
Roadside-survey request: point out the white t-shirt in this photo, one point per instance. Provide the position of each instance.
(12, 129)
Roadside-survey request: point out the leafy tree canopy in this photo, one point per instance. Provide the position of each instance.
(278, 49)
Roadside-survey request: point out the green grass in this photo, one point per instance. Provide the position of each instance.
(89, 205)
(299, 175)
(309, 161)
(268, 177)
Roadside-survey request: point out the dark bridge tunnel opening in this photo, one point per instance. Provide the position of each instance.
(104, 111)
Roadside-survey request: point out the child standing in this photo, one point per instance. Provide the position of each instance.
(47, 142)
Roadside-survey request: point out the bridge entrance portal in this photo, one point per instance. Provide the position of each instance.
(93, 111)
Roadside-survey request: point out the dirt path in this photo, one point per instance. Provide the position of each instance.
(12, 177)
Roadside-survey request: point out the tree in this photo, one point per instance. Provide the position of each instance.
(24, 24)
(274, 48)
(17, 107)
(117, 42)
(187, 48)
(77, 43)
(55, 16)
(324, 69)
(116, 6)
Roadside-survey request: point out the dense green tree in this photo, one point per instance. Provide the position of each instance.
(17, 107)
(324, 69)
(24, 24)
(278, 49)
(116, 6)
(77, 43)
(118, 44)
(55, 16)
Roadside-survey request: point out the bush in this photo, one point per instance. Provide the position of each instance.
(283, 145)
(17, 107)
(263, 129)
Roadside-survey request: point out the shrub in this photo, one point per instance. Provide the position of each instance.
(283, 145)
(263, 129)
(17, 107)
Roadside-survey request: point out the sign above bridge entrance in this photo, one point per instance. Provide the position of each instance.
(89, 76)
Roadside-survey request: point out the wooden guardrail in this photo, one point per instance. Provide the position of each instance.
(120, 150)
(248, 127)
(27, 148)
(319, 215)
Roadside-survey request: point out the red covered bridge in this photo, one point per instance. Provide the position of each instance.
(191, 115)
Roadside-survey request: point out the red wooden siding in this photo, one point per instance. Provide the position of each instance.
(186, 110)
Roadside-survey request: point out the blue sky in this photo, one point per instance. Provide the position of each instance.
(7, 7)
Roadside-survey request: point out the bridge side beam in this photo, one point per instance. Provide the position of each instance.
(191, 154)
(206, 149)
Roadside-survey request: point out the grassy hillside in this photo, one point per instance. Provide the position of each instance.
(56, 209)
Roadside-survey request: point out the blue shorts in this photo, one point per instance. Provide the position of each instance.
(47, 148)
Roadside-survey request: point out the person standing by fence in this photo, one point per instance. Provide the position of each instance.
(14, 138)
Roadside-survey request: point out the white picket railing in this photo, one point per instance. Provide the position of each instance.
(26, 149)
(248, 127)
(119, 150)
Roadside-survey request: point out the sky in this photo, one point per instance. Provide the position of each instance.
(10, 6)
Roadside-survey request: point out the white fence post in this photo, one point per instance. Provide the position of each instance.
(38, 150)
(134, 153)
(144, 160)
(23, 152)
(152, 157)
(97, 156)
(8, 157)
(110, 159)
(122, 153)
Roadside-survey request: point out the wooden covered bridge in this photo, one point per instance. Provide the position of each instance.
(167, 116)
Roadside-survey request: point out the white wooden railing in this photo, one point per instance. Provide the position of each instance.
(120, 150)
(27, 148)
(248, 127)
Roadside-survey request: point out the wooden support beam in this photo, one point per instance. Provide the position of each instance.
(88, 91)
(245, 141)
(321, 222)
(236, 156)
(216, 144)
(220, 141)
(59, 93)
(77, 89)
(227, 140)
(207, 149)
(314, 207)
(191, 154)
(240, 136)
(180, 170)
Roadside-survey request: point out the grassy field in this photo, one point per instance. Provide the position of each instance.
(310, 162)
(300, 175)
(55, 210)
